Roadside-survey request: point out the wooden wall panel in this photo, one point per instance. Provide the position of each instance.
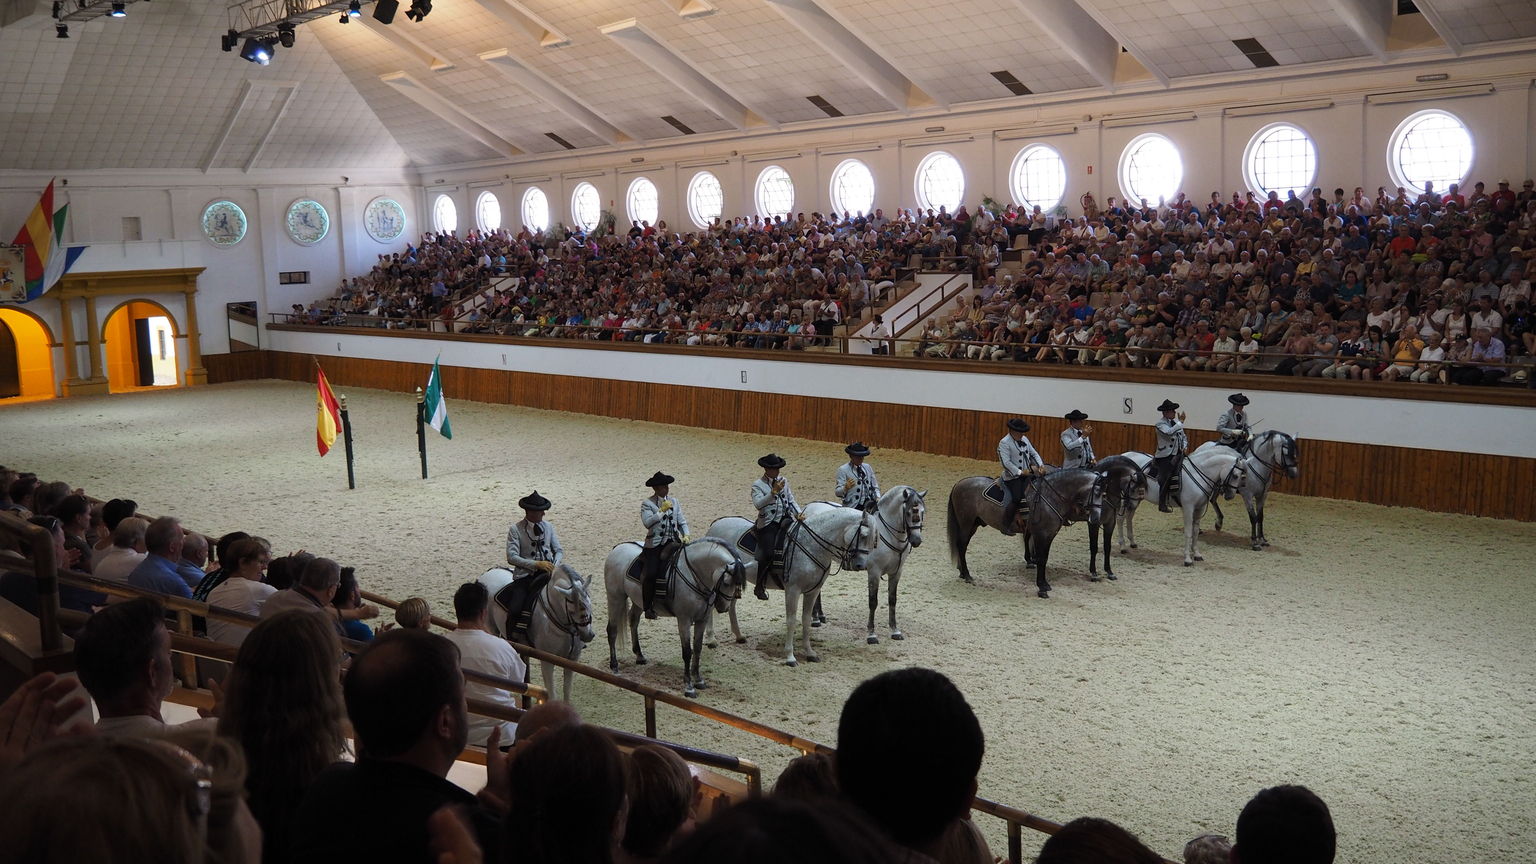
(1440, 480)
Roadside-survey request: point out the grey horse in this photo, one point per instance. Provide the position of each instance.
(1269, 452)
(1054, 499)
(562, 618)
(899, 519)
(1125, 485)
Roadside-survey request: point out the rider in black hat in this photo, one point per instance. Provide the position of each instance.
(1171, 443)
(666, 529)
(532, 548)
(856, 483)
(1076, 448)
(1020, 461)
(775, 507)
(1233, 425)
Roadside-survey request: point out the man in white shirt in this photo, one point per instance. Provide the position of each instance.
(127, 550)
(480, 651)
(123, 657)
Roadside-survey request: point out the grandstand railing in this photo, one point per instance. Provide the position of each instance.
(926, 305)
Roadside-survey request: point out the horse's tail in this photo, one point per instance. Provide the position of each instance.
(952, 529)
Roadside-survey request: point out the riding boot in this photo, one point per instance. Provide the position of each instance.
(1008, 526)
(761, 591)
(648, 596)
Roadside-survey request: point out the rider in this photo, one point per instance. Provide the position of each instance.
(666, 529)
(532, 547)
(1233, 425)
(1019, 458)
(856, 483)
(775, 507)
(1171, 443)
(1077, 450)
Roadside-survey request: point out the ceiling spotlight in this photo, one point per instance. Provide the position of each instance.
(257, 51)
(61, 30)
(354, 9)
(119, 10)
(419, 10)
(345, 18)
(229, 40)
(285, 34)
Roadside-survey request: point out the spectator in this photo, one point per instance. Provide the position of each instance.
(112, 513)
(1284, 825)
(555, 714)
(21, 587)
(74, 514)
(194, 558)
(349, 598)
(1095, 841)
(241, 589)
(125, 554)
(896, 707)
(414, 614)
(660, 792)
(313, 592)
(405, 698)
(779, 829)
(810, 777)
(226, 565)
(123, 657)
(567, 798)
(1208, 849)
(282, 703)
(479, 651)
(161, 569)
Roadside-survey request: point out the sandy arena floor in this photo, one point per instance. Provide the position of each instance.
(1379, 656)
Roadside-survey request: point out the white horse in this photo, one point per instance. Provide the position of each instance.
(1205, 474)
(706, 574)
(1268, 452)
(838, 535)
(899, 529)
(562, 618)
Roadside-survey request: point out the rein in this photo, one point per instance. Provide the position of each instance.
(570, 626)
(900, 534)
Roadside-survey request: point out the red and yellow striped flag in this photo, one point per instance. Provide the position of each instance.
(327, 414)
(37, 236)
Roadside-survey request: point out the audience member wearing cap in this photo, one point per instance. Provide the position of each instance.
(856, 485)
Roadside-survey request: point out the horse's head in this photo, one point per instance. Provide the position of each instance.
(1236, 479)
(1290, 456)
(1135, 489)
(861, 544)
(914, 512)
(1091, 500)
(572, 589)
(731, 578)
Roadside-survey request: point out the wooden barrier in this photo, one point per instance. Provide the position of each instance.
(1393, 476)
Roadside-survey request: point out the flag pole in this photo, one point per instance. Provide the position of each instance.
(421, 429)
(346, 437)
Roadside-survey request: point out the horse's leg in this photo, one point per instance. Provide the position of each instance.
(547, 669)
(565, 689)
(874, 600)
(1219, 516)
(790, 598)
(1093, 553)
(962, 542)
(682, 637)
(1258, 506)
(1192, 514)
(698, 654)
(1129, 527)
(615, 628)
(1042, 554)
(736, 626)
(634, 634)
(1109, 530)
(892, 578)
(709, 628)
(1029, 555)
(817, 619)
(808, 602)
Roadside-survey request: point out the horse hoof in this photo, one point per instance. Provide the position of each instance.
(815, 623)
(1134, 546)
(895, 634)
(813, 658)
(1094, 579)
(690, 693)
(1257, 548)
(1189, 563)
(1043, 595)
(641, 661)
(1199, 557)
(613, 666)
(711, 644)
(1111, 577)
(1263, 542)
(701, 685)
(966, 578)
(741, 640)
(872, 640)
(791, 663)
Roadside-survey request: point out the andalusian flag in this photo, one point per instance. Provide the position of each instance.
(435, 408)
(327, 414)
(43, 238)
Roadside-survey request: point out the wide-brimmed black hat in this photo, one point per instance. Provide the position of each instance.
(1238, 399)
(772, 460)
(533, 502)
(1017, 425)
(857, 448)
(1168, 405)
(660, 479)
(1076, 415)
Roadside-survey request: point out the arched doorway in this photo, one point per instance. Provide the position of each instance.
(26, 356)
(140, 343)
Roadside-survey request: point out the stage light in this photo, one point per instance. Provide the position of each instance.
(345, 18)
(419, 9)
(119, 10)
(384, 11)
(61, 30)
(355, 9)
(229, 40)
(285, 34)
(257, 51)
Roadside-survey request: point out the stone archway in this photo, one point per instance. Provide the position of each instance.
(26, 367)
(132, 286)
(138, 340)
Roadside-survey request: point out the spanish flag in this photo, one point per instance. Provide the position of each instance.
(327, 414)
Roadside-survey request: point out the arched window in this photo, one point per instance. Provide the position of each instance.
(1038, 177)
(535, 209)
(1430, 146)
(487, 211)
(706, 199)
(641, 201)
(940, 182)
(775, 192)
(445, 216)
(853, 188)
(1280, 158)
(1151, 169)
(586, 206)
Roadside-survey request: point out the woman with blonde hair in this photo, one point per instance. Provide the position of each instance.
(282, 703)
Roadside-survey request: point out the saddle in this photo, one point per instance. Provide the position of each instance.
(664, 584)
(997, 492)
(517, 600)
(747, 543)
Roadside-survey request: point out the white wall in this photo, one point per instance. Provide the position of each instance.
(1493, 429)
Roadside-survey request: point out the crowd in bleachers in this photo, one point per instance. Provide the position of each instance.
(316, 749)
(1429, 287)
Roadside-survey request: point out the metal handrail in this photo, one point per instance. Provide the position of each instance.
(920, 316)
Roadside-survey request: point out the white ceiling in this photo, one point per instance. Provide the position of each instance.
(153, 90)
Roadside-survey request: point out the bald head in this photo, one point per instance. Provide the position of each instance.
(553, 714)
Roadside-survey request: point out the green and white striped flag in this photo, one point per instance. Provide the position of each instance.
(436, 408)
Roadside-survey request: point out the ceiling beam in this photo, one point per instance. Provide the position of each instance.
(1108, 25)
(552, 94)
(653, 52)
(1440, 24)
(404, 41)
(1371, 21)
(414, 90)
(289, 91)
(1079, 35)
(246, 88)
(828, 29)
(521, 18)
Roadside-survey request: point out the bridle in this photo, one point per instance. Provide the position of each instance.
(913, 522)
(577, 607)
(689, 576)
(1096, 493)
(1287, 460)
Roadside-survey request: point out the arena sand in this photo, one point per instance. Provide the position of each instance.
(1379, 656)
